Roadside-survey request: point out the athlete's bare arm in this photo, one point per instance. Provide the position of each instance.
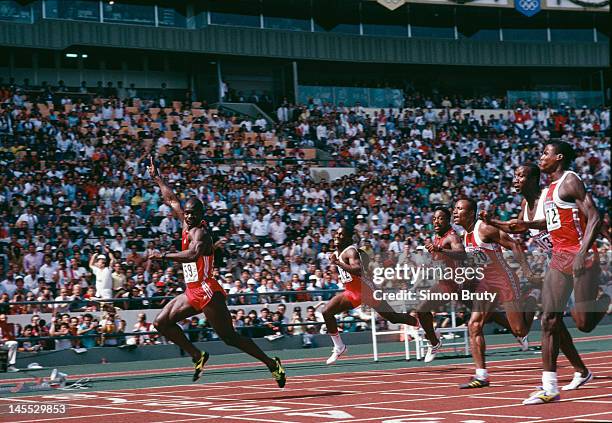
(452, 247)
(520, 226)
(511, 226)
(354, 262)
(492, 234)
(571, 190)
(168, 195)
(200, 245)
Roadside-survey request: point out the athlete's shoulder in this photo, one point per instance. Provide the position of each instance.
(485, 230)
(571, 177)
(199, 233)
(351, 251)
(451, 236)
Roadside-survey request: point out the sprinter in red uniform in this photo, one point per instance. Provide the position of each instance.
(448, 252)
(483, 243)
(527, 182)
(203, 292)
(573, 222)
(350, 262)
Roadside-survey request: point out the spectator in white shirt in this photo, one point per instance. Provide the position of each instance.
(30, 219)
(62, 307)
(259, 227)
(260, 124)
(8, 285)
(428, 133)
(104, 280)
(278, 230)
(31, 279)
(47, 269)
(118, 244)
(396, 245)
(218, 203)
(169, 224)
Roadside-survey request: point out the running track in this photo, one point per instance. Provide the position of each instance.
(406, 395)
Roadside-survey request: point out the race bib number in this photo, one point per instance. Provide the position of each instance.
(190, 272)
(479, 257)
(344, 275)
(553, 220)
(544, 241)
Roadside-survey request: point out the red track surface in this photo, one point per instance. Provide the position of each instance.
(424, 394)
(189, 369)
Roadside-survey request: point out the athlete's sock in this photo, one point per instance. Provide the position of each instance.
(338, 344)
(482, 374)
(549, 382)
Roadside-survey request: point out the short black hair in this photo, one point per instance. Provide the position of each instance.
(473, 204)
(444, 210)
(561, 147)
(197, 204)
(534, 170)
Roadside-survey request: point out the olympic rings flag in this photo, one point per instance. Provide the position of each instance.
(528, 7)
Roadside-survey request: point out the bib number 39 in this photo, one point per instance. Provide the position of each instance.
(553, 220)
(190, 272)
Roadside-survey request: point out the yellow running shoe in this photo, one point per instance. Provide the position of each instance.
(199, 366)
(279, 373)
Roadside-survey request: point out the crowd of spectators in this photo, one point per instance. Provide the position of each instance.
(79, 214)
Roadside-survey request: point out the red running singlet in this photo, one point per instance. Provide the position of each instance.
(566, 225)
(498, 277)
(199, 282)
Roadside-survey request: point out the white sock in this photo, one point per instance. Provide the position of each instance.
(549, 382)
(338, 344)
(482, 374)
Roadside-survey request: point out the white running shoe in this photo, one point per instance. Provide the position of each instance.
(542, 397)
(432, 351)
(577, 381)
(524, 343)
(336, 355)
(12, 369)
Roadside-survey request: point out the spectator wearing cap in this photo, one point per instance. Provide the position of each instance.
(251, 287)
(361, 224)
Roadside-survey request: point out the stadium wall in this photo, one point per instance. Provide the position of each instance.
(156, 352)
(60, 35)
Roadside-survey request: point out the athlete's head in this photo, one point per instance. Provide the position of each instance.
(557, 155)
(441, 220)
(526, 177)
(193, 211)
(464, 213)
(344, 236)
